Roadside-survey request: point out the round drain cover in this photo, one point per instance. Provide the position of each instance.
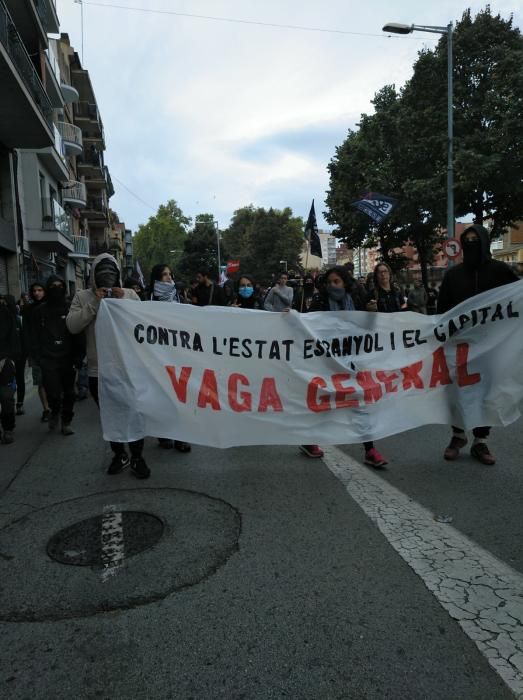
(107, 539)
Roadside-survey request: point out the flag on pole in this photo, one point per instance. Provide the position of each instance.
(311, 233)
(138, 274)
(377, 206)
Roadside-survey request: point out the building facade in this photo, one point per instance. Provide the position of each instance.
(54, 184)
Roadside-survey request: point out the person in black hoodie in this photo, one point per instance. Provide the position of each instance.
(477, 273)
(58, 352)
(9, 350)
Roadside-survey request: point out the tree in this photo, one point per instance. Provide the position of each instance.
(161, 239)
(401, 149)
(260, 238)
(200, 249)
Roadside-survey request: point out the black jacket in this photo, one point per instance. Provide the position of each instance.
(9, 345)
(462, 282)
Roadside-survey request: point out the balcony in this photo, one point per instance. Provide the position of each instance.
(69, 93)
(96, 208)
(54, 157)
(53, 77)
(26, 115)
(81, 248)
(55, 234)
(75, 195)
(87, 116)
(97, 247)
(71, 137)
(115, 244)
(92, 161)
(47, 12)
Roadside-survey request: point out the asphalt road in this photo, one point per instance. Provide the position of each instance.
(269, 580)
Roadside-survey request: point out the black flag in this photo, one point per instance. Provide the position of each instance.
(311, 233)
(377, 206)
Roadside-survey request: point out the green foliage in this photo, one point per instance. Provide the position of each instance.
(163, 233)
(401, 149)
(260, 238)
(200, 250)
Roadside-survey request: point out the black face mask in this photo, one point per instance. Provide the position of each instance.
(106, 274)
(55, 295)
(472, 254)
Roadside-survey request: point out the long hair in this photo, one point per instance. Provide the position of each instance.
(156, 275)
(375, 275)
(342, 272)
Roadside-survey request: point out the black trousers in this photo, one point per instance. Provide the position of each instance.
(20, 379)
(136, 448)
(480, 433)
(58, 381)
(7, 407)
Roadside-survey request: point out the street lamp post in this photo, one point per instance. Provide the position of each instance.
(408, 29)
(214, 223)
(284, 262)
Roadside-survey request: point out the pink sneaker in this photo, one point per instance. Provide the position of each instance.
(374, 459)
(311, 450)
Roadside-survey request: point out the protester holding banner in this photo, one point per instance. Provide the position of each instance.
(477, 273)
(206, 292)
(385, 294)
(342, 293)
(105, 282)
(245, 297)
(163, 288)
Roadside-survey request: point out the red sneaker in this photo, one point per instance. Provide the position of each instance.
(311, 450)
(374, 459)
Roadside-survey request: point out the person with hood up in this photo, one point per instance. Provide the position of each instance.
(37, 296)
(57, 352)
(9, 350)
(105, 281)
(163, 288)
(477, 273)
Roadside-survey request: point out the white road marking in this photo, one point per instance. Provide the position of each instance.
(481, 592)
(113, 545)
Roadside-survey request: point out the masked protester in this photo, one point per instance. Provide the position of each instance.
(57, 352)
(340, 292)
(9, 350)
(105, 282)
(163, 288)
(477, 273)
(245, 297)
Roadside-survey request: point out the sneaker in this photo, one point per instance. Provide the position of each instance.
(20, 409)
(455, 445)
(139, 468)
(119, 463)
(311, 450)
(482, 453)
(66, 429)
(374, 459)
(52, 421)
(8, 437)
(45, 416)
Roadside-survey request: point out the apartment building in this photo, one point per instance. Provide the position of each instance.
(54, 184)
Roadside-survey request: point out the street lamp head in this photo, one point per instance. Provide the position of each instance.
(394, 28)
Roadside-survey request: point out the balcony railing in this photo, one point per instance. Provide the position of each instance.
(71, 136)
(81, 247)
(97, 204)
(55, 218)
(92, 157)
(13, 44)
(86, 110)
(76, 194)
(46, 10)
(97, 247)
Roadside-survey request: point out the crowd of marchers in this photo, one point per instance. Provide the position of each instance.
(56, 336)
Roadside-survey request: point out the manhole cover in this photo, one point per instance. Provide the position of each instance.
(107, 539)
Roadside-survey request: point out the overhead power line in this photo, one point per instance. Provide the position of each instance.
(133, 193)
(270, 25)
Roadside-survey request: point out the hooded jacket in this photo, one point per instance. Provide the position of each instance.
(83, 312)
(52, 343)
(28, 318)
(462, 281)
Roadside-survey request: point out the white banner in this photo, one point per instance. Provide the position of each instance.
(224, 377)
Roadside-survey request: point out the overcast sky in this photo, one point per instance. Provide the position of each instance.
(219, 115)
